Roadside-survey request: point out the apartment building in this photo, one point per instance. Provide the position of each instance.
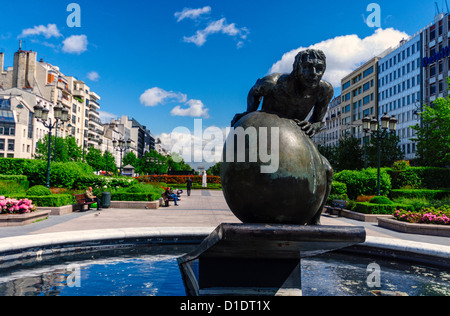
(359, 98)
(400, 89)
(19, 130)
(34, 82)
(435, 60)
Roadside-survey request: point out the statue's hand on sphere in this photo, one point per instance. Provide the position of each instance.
(308, 128)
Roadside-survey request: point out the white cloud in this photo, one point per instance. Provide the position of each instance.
(93, 76)
(106, 117)
(189, 13)
(203, 145)
(75, 44)
(156, 96)
(51, 30)
(345, 53)
(195, 108)
(219, 26)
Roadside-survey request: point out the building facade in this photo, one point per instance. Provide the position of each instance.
(435, 59)
(359, 98)
(400, 89)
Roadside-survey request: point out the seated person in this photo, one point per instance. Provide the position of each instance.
(92, 198)
(169, 194)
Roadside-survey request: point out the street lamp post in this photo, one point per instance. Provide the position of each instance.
(373, 126)
(119, 145)
(61, 115)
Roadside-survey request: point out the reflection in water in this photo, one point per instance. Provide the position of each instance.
(153, 271)
(341, 275)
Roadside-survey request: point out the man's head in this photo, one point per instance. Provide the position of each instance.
(309, 67)
(90, 188)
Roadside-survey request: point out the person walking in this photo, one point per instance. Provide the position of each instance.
(189, 186)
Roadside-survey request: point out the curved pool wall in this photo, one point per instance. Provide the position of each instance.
(40, 246)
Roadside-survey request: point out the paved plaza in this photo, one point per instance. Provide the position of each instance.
(204, 208)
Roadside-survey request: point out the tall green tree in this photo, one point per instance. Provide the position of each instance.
(433, 135)
(62, 149)
(94, 158)
(348, 154)
(390, 150)
(109, 162)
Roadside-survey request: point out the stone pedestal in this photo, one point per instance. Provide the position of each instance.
(258, 259)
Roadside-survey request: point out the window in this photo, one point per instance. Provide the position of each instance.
(10, 144)
(366, 100)
(368, 72)
(366, 86)
(346, 85)
(2, 144)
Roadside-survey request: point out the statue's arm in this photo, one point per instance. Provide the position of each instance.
(256, 94)
(321, 107)
(314, 125)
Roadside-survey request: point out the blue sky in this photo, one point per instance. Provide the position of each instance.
(166, 63)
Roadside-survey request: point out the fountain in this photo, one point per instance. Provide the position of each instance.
(280, 209)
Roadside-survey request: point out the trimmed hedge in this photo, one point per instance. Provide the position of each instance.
(420, 177)
(380, 209)
(127, 196)
(364, 182)
(427, 194)
(54, 200)
(38, 190)
(85, 181)
(381, 200)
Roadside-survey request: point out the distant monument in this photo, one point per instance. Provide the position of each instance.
(297, 192)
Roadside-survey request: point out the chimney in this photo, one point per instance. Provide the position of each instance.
(24, 70)
(2, 61)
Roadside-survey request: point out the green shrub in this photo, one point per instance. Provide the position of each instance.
(11, 187)
(381, 200)
(38, 190)
(364, 182)
(54, 200)
(420, 177)
(127, 196)
(339, 188)
(102, 182)
(381, 209)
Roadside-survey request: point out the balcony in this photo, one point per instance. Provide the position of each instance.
(93, 104)
(79, 93)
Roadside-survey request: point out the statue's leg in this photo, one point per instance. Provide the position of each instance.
(330, 173)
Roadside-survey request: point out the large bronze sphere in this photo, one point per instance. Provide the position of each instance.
(293, 193)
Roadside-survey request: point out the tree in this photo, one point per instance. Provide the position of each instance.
(390, 150)
(109, 162)
(131, 159)
(348, 155)
(94, 158)
(66, 149)
(215, 170)
(433, 135)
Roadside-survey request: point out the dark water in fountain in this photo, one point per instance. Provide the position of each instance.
(153, 271)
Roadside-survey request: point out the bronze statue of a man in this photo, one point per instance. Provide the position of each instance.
(295, 95)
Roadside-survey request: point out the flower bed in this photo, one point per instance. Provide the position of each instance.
(14, 206)
(439, 216)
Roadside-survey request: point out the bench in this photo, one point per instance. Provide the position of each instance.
(81, 201)
(336, 206)
(171, 199)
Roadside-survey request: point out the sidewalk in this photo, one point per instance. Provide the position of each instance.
(201, 209)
